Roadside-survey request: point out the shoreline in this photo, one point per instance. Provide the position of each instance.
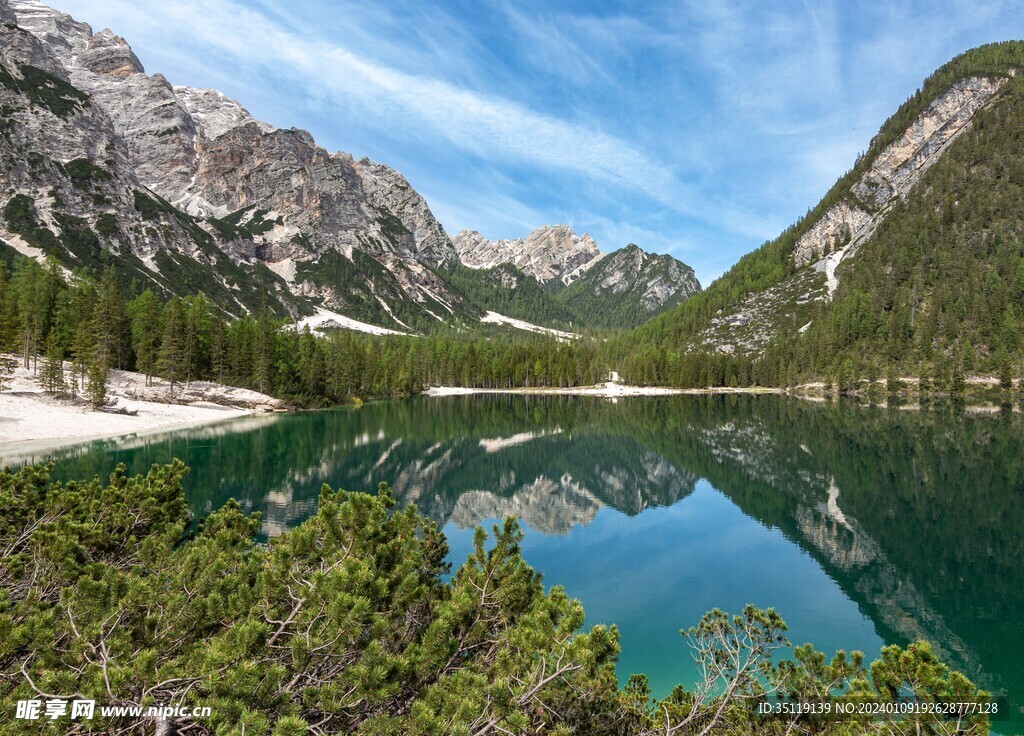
(814, 392)
(32, 421)
(35, 423)
(21, 450)
(608, 390)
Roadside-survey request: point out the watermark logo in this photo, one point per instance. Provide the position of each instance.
(54, 708)
(33, 710)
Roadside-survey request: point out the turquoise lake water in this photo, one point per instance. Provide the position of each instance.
(861, 526)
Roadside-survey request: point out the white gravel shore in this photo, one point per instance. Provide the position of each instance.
(31, 418)
(609, 389)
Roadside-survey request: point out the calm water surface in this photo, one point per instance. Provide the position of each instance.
(860, 526)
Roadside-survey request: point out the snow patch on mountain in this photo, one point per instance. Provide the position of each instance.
(324, 319)
(493, 318)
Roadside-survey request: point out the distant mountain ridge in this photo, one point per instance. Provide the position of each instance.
(619, 289)
(628, 287)
(548, 253)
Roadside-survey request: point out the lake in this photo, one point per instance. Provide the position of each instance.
(861, 526)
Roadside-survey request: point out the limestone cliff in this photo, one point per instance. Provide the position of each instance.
(896, 169)
(547, 253)
(229, 190)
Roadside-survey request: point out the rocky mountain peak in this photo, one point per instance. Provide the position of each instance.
(548, 253)
(6, 14)
(64, 36)
(107, 53)
(214, 113)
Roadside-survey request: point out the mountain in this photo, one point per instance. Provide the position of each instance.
(181, 187)
(548, 253)
(507, 290)
(628, 287)
(914, 258)
(587, 287)
(183, 190)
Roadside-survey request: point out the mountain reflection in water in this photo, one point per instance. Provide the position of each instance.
(915, 517)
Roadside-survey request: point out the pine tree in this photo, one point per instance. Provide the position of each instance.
(195, 340)
(27, 282)
(1004, 367)
(7, 367)
(8, 314)
(847, 381)
(110, 324)
(218, 347)
(96, 384)
(172, 347)
(892, 381)
(146, 330)
(957, 379)
(1010, 332)
(264, 349)
(79, 307)
(51, 377)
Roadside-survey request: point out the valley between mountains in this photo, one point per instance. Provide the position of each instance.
(279, 253)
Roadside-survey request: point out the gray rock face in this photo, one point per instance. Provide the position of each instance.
(547, 253)
(77, 184)
(388, 191)
(110, 54)
(214, 113)
(834, 230)
(655, 279)
(896, 169)
(206, 155)
(6, 14)
(61, 34)
(901, 164)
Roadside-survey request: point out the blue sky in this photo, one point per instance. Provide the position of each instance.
(699, 129)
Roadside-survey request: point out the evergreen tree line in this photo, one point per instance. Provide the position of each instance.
(72, 331)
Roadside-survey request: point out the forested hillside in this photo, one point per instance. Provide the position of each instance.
(626, 288)
(942, 280)
(937, 283)
(507, 290)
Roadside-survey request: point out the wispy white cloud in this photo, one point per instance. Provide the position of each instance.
(483, 123)
(701, 128)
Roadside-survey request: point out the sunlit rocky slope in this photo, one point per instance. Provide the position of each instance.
(103, 163)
